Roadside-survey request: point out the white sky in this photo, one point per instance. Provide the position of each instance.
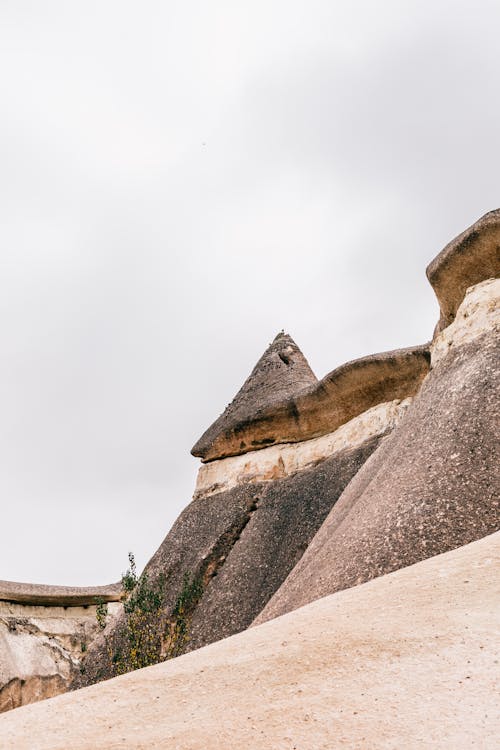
(181, 180)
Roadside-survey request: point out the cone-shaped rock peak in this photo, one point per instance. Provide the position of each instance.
(281, 372)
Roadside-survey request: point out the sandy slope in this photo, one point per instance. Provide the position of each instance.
(408, 660)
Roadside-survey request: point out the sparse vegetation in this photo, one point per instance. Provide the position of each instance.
(149, 633)
(177, 634)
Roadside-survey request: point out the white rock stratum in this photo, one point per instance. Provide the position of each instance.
(285, 459)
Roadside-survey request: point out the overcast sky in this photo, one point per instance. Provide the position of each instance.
(181, 180)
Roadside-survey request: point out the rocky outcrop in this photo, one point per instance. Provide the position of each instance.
(309, 487)
(44, 633)
(478, 315)
(280, 373)
(267, 532)
(432, 485)
(322, 407)
(470, 258)
(406, 661)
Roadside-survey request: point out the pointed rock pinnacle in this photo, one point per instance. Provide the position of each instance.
(281, 372)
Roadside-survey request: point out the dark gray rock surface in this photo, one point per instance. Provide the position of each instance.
(287, 514)
(432, 485)
(239, 546)
(201, 534)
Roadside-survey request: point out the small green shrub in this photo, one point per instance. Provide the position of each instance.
(149, 634)
(177, 632)
(101, 613)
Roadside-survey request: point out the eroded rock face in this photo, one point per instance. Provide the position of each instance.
(309, 487)
(253, 516)
(41, 646)
(478, 314)
(58, 596)
(432, 485)
(287, 514)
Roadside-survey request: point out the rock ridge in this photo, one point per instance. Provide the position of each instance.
(62, 596)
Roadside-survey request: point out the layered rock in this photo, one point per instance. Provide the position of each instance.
(288, 447)
(433, 484)
(44, 633)
(322, 407)
(309, 487)
(58, 596)
(286, 514)
(405, 661)
(285, 459)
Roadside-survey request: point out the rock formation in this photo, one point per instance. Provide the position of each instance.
(251, 522)
(280, 373)
(434, 483)
(308, 487)
(321, 407)
(405, 661)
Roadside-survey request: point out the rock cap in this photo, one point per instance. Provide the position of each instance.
(322, 406)
(470, 258)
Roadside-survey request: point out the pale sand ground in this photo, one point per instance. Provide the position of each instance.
(409, 660)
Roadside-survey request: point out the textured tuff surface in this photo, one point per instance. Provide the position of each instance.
(323, 406)
(432, 485)
(241, 545)
(198, 537)
(407, 661)
(478, 314)
(287, 515)
(280, 373)
(471, 257)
